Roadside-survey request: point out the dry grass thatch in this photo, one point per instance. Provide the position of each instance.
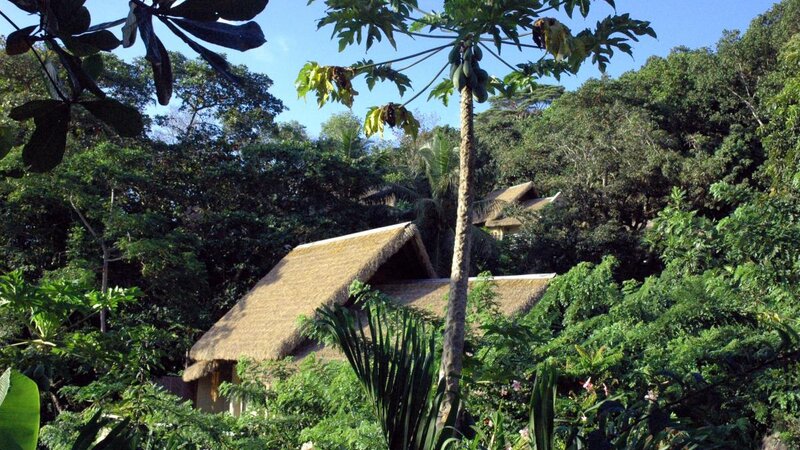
(515, 294)
(532, 205)
(264, 323)
(199, 370)
(491, 205)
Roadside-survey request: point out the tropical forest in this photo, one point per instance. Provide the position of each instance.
(469, 225)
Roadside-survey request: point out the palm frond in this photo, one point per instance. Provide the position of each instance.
(393, 354)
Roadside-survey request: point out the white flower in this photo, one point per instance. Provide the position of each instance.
(523, 433)
(307, 446)
(516, 385)
(651, 396)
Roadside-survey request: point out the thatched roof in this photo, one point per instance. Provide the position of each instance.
(531, 205)
(515, 294)
(200, 369)
(492, 205)
(264, 323)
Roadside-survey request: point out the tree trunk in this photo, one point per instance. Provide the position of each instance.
(104, 288)
(453, 349)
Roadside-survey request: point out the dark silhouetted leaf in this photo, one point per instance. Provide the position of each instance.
(77, 47)
(78, 77)
(157, 56)
(212, 10)
(101, 40)
(34, 108)
(12, 173)
(6, 140)
(238, 37)
(657, 421)
(91, 43)
(93, 65)
(597, 440)
(25, 5)
(19, 41)
(106, 25)
(125, 119)
(72, 20)
(215, 60)
(45, 149)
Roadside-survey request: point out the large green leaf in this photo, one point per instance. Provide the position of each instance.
(19, 412)
(393, 353)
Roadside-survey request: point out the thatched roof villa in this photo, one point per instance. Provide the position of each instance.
(492, 217)
(264, 323)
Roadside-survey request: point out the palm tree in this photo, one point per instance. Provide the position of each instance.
(429, 199)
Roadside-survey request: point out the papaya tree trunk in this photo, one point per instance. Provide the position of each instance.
(453, 349)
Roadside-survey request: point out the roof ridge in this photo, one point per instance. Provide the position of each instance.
(530, 276)
(354, 235)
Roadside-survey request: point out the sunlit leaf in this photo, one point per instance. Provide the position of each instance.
(19, 411)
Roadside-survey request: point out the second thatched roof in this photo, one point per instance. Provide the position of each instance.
(513, 294)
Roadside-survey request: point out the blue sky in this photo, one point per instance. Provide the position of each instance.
(293, 39)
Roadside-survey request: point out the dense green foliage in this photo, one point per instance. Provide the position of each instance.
(674, 322)
(688, 120)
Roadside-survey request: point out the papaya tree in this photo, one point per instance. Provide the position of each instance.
(467, 31)
(67, 46)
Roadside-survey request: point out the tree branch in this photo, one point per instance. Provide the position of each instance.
(435, 77)
(86, 222)
(434, 49)
(419, 60)
(486, 47)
